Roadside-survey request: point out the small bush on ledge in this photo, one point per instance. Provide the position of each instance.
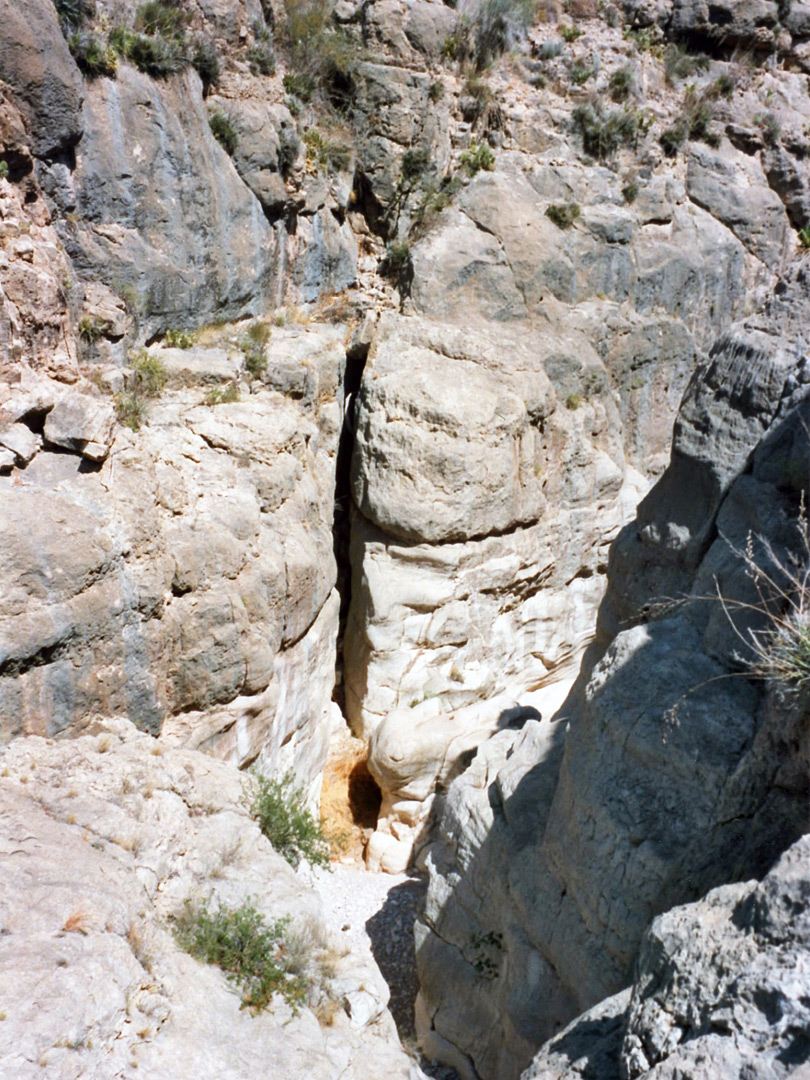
(282, 816)
(563, 214)
(249, 950)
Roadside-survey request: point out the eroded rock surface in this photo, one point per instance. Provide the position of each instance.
(106, 838)
(719, 991)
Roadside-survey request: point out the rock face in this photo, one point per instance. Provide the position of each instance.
(555, 852)
(104, 842)
(718, 991)
(195, 594)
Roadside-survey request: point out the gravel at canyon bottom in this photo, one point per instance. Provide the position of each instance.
(375, 913)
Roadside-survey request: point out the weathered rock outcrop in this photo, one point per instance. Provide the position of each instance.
(194, 593)
(719, 990)
(104, 842)
(668, 772)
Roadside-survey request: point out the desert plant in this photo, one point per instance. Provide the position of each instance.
(622, 83)
(679, 64)
(630, 191)
(261, 58)
(570, 33)
(724, 85)
(573, 401)
(158, 18)
(219, 395)
(325, 151)
(131, 409)
(323, 55)
(563, 214)
(479, 156)
(155, 56)
(549, 50)
(693, 123)
(436, 91)
(253, 346)
(179, 339)
(580, 72)
(248, 948)
(205, 59)
(89, 329)
(770, 127)
(413, 165)
(224, 131)
(280, 810)
(643, 39)
(149, 376)
(3, 170)
(604, 132)
(804, 238)
(92, 54)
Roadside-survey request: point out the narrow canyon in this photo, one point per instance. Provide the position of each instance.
(404, 426)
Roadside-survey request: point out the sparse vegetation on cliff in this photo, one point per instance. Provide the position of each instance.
(280, 810)
(249, 949)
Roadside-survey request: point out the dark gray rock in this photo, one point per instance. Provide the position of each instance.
(36, 63)
(162, 214)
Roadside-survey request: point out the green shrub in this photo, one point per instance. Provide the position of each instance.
(436, 91)
(724, 85)
(261, 58)
(218, 395)
(92, 54)
(250, 950)
(580, 72)
(478, 157)
(693, 123)
(573, 401)
(282, 816)
(643, 39)
(549, 50)
(570, 33)
(804, 237)
(323, 55)
(604, 132)
(149, 376)
(206, 61)
(157, 18)
(300, 85)
(679, 64)
(223, 130)
(131, 409)
(630, 191)
(563, 214)
(89, 329)
(413, 165)
(770, 127)
(155, 56)
(3, 170)
(72, 13)
(622, 83)
(326, 152)
(179, 339)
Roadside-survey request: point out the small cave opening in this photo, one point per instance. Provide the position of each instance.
(350, 799)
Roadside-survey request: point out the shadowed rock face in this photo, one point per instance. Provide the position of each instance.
(717, 992)
(667, 772)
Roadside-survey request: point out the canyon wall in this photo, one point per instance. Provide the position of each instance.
(303, 400)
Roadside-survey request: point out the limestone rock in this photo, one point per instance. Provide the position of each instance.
(36, 63)
(106, 837)
(79, 423)
(164, 213)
